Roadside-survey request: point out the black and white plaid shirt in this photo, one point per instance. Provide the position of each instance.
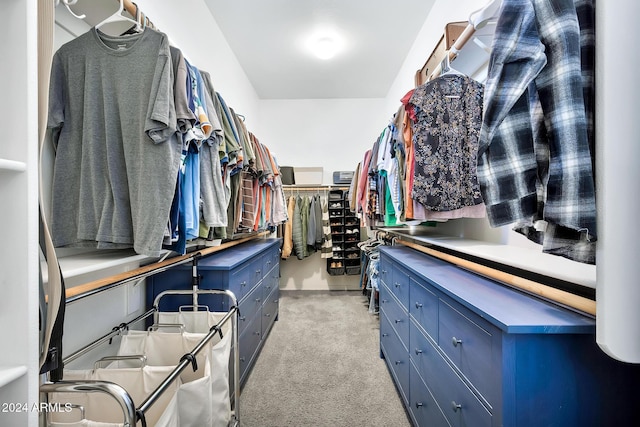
(535, 163)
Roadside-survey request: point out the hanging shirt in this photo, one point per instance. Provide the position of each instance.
(448, 119)
(536, 148)
(112, 116)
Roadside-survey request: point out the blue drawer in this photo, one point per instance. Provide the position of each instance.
(249, 306)
(470, 347)
(270, 311)
(400, 285)
(271, 281)
(396, 314)
(384, 271)
(249, 342)
(243, 280)
(458, 402)
(396, 357)
(424, 410)
(424, 308)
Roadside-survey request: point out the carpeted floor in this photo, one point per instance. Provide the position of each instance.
(321, 366)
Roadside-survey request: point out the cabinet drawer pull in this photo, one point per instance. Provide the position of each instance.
(385, 335)
(398, 362)
(397, 285)
(275, 301)
(258, 299)
(242, 359)
(398, 320)
(243, 283)
(418, 305)
(418, 351)
(243, 318)
(256, 333)
(267, 314)
(455, 406)
(419, 404)
(258, 271)
(384, 271)
(384, 301)
(456, 341)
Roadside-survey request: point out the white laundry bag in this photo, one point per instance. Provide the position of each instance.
(203, 398)
(102, 410)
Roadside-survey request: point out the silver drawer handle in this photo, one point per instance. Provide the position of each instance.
(243, 284)
(398, 362)
(385, 335)
(384, 301)
(419, 404)
(455, 406)
(243, 318)
(267, 314)
(256, 333)
(418, 305)
(398, 320)
(397, 285)
(242, 359)
(456, 341)
(418, 351)
(258, 299)
(384, 271)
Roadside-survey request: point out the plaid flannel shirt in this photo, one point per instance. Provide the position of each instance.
(535, 162)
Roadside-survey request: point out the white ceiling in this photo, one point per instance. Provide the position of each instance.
(269, 36)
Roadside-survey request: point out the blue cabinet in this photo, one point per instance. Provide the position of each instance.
(466, 351)
(251, 271)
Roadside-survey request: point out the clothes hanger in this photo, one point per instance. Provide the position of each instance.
(119, 17)
(68, 4)
(483, 16)
(446, 67)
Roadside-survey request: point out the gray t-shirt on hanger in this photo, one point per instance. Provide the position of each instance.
(112, 115)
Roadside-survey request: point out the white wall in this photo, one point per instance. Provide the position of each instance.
(331, 133)
(191, 27)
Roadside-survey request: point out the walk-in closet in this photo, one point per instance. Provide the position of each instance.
(320, 213)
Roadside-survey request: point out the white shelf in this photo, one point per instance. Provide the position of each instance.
(12, 166)
(533, 260)
(10, 374)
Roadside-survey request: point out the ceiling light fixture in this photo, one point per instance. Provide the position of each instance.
(325, 48)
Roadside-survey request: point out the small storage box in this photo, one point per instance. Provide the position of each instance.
(343, 177)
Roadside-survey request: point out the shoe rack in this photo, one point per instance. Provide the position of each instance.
(345, 235)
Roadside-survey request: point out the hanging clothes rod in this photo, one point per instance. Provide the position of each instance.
(117, 330)
(91, 288)
(132, 8)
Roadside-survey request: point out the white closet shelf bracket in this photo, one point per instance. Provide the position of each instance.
(12, 166)
(12, 373)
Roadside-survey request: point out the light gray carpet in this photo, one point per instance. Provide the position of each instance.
(321, 366)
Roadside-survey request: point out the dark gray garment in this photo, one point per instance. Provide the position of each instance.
(298, 237)
(318, 214)
(113, 121)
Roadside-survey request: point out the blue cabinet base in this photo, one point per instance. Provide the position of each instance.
(478, 353)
